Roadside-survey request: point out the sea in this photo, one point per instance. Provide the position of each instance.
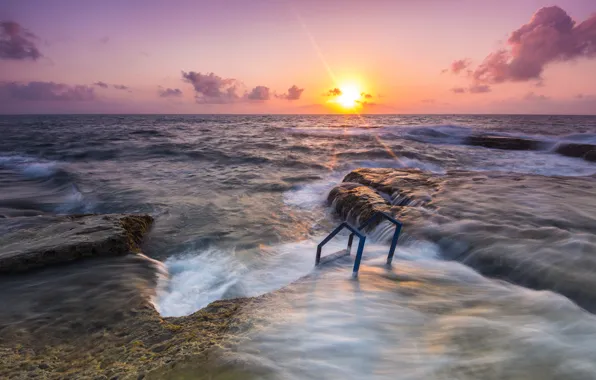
(240, 204)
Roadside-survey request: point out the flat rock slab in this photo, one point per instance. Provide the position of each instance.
(69, 238)
(585, 151)
(503, 142)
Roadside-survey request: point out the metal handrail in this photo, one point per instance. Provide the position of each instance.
(395, 238)
(362, 239)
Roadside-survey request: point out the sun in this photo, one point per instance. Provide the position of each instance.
(350, 96)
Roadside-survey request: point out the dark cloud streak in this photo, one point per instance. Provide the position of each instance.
(170, 92)
(17, 43)
(46, 91)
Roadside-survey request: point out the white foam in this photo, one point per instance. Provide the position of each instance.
(29, 166)
(199, 278)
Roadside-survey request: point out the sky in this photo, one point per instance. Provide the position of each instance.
(298, 56)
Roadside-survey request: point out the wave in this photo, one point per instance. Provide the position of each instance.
(34, 185)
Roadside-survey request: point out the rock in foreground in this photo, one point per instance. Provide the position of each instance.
(70, 238)
(505, 225)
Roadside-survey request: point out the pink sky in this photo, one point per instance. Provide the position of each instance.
(66, 56)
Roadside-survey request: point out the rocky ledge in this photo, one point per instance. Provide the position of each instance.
(69, 238)
(585, 151)
(95, 318)
(505, 225)
(503, 142)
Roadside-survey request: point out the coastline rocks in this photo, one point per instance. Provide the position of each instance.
(69, 238)
(505, 225)
(502, 142)
(585, 151)
(357, 202)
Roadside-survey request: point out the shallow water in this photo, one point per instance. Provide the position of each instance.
(240, 204)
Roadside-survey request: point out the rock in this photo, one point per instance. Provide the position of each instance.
(69, 238)
(502, 142)
(504, 225)
(585, 151)
(356, 202)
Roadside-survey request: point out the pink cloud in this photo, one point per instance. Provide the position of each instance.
(294, 93)
(211, 88)
(169, 92)
(41, 91)
(259, 93)
(459, 65)
(17, 43)
(550, 36)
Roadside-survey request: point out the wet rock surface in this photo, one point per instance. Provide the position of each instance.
(95, 318)
(503, 142)
(509, 226)
(60, 240)
(585, 151)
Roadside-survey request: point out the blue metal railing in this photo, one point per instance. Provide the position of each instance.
(362, 239)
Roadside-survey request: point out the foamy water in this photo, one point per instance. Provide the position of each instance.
(240, 205)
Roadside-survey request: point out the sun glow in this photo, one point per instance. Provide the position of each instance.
(350, 96)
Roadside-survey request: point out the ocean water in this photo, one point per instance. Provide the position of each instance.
(240, 204)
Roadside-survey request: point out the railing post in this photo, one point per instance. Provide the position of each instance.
(393, 243)
(350, 240)
(318, 259)
(358, 256)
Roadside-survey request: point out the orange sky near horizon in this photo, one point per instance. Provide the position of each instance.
(430, 56)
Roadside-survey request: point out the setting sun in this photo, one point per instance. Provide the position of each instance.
(350, 96)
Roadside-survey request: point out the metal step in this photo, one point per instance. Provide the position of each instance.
(334, 256)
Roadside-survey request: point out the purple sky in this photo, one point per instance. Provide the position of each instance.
(284, 56)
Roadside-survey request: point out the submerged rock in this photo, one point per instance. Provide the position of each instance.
(511, 226)
(585, 151)
(502, 142)
(69, 238)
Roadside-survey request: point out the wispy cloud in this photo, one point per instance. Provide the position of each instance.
(40, 91)
(101, 84)
(334, 92)
(17, 43)
(532, 97)
(169, 92)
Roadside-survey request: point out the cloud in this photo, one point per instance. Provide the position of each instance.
(479, 89)
(211, 88)
(473, 89)
(169, 92)
(259, 93)
(120, 87)
(532, 97)
(17, 43)
(428, 101)
(550, 36)
(333, 92)
(459, 66)
(40, 91)
(364, 95)
(294, 93)
(101, 84)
